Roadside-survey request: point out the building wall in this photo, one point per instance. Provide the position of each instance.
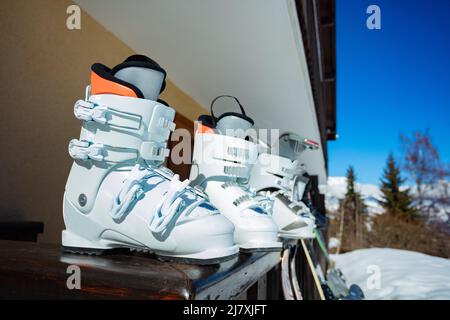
(45, 68)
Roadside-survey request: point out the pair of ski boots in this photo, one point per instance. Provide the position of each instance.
(275, 182)
(119, 195)
(260, 181)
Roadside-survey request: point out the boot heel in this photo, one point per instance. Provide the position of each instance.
(73, 243)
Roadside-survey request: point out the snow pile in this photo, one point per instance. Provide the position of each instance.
(333, 243)
(402, 274)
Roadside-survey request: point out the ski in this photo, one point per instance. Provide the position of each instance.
(316, 271)
(332, 283)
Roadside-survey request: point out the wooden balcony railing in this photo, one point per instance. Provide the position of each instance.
(41, 271)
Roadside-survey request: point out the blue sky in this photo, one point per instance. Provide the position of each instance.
(390, 81)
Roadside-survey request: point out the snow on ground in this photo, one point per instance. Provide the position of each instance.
(403, 274)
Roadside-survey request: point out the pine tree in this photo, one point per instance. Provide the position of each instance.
(394, 200)
(353, 200)
(352, 208)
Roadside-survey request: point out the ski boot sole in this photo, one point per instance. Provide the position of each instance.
(290, 236)
(148, 254)
(253, 247)
(255, 250)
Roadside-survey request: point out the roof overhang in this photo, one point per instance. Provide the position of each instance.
(250, 49)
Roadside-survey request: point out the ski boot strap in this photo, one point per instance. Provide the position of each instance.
(219, 155)
(123, 129)
(273, 171)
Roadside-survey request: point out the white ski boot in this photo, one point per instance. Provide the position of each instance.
(222, 161)
(118, 194)
(282, 179)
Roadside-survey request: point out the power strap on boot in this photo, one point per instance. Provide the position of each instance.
(221, 155)
(89, 150)
(127, 129)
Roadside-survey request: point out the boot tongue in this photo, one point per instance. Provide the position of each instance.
(144, 73)
(233, 125)
(147, 80)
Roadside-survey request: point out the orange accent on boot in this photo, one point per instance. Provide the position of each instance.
(100, 85)
(204, 129)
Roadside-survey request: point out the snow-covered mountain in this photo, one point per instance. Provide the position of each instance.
(336, 188)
